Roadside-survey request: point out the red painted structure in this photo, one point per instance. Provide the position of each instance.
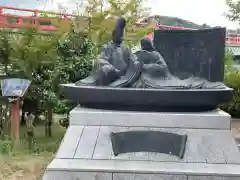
(15, 118)
(36, 21)
(231, 38)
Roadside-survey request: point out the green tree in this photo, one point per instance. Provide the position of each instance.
(133, 11)
(5, 52)
(231, 73)
(100, 18)
(76, 53)
(233, 13)
(97, 18)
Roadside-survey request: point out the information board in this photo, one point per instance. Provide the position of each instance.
(14, 87)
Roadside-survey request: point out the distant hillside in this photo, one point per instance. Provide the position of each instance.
(175, 21)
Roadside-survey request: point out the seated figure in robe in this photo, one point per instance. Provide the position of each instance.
(155, 72)
(116, 66)
(113, 63)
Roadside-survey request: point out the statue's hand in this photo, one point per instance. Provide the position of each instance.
(136, 62)
(147, 66)
(117, 70)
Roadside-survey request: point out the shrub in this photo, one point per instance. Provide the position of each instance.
(232, 79)
(76, 53)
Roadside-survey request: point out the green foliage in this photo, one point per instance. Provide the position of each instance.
(47, 60)
(133, 11)
(232, 79)
(74, 63)
(98, 23)
(76, 55)
(5, 52)
(66, 56)
(233, 13)
(40, 145)
(6, 146)
(232, 74)
(30, 52)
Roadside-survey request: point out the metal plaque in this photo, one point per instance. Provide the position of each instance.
(148, 141)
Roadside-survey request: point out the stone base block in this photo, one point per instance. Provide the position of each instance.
(86, 151)
(205, 120)
(63, 169)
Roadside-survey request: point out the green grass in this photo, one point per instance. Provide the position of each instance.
(18, 162)
(41, 144)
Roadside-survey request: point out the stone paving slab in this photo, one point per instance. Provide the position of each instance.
(203, 145)
(193, 170)
(66, 175)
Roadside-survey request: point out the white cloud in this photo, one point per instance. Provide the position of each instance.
(53, 5)
(198, 11)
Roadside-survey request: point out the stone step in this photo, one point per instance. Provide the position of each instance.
(83, 169)
(216, 119)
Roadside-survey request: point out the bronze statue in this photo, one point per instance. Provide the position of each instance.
(155, 72)
(143, 80)
(116, 66)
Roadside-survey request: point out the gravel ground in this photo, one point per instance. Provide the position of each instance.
(27, 168)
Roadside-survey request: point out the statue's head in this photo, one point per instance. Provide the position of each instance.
(117, 34)
(121, 22)
(147, 44)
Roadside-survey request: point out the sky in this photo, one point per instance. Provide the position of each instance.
(198, 11)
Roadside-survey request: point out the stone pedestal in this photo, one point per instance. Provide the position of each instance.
(86, 151)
